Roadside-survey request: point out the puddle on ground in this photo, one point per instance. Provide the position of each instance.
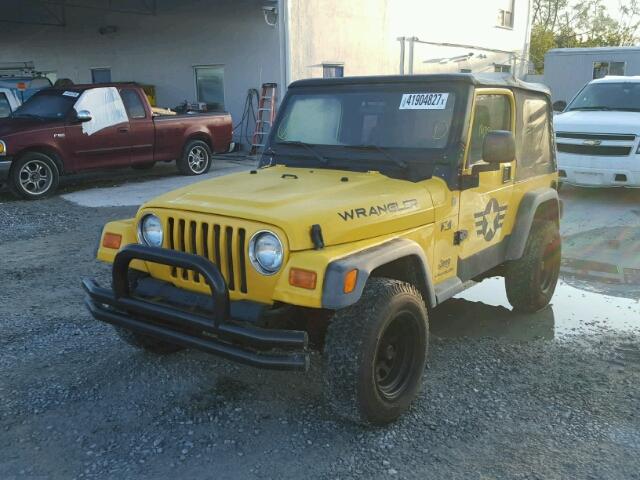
(483, 311)
(605, 260)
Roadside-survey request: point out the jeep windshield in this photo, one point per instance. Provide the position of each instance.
(364, 126)
(623, 96)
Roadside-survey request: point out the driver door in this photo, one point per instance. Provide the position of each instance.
(104, 141)
(486, 210)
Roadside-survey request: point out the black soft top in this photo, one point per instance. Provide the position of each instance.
(477, 80)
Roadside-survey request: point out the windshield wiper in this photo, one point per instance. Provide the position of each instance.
(599, 107)
(397, 161)
(309, 147)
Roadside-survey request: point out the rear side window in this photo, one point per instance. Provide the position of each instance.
(533, 137)
(5, 108)
(133, 104)
(492, 112)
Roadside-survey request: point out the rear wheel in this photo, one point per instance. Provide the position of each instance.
(531, 280)
(33, 176)
(375, 353)
(196, 158)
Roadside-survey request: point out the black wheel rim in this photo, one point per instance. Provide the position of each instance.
(396, 356)
(549, 267)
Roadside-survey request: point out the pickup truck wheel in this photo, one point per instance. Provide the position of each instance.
(33, 176)
(531, 280)
(144, 342)
(196, 159)
(375, 353)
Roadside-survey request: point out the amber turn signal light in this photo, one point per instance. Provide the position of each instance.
(350, 280)
(302, 278)
(112, 240)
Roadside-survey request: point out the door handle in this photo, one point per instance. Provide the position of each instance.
(123, 130)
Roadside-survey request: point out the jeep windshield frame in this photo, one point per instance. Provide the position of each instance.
(346, 117)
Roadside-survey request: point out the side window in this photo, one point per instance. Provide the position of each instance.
(533, 138)
(133, 104)
(5, 108)
(105, 106)
(492, 112)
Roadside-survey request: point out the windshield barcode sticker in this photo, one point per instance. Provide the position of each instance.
(71, 94)
(424, 101)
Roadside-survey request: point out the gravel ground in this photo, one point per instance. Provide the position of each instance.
(75, 402)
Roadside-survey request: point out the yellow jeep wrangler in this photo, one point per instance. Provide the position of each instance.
(377, 199)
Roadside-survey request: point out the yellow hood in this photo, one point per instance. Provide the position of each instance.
(349, 206)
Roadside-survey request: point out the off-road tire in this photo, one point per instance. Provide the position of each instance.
(140, 341)
(352, 352)
(531, 280)
(143, 166)
(187, 166)
(36, 163)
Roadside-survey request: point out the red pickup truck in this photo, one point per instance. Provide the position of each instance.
(87, 127)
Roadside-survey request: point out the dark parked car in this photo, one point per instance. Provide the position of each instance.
(87, 127)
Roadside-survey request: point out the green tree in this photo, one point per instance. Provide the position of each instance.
(583, 23)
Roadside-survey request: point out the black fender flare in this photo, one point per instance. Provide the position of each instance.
(365, 261)
(526, 214)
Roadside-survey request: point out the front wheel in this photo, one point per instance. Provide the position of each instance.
(33, 176)
(531, 280)
(196, 158)
(375, 353)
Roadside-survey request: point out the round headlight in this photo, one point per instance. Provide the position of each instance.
(150, 231)
(266, 252)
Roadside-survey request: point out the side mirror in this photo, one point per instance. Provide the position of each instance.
(499, 147)
(83, 116)
(559, 106)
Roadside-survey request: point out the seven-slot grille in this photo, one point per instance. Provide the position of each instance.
(223, 245)
(597, 144)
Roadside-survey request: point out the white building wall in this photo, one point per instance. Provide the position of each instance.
(363, 34)
(160, 50)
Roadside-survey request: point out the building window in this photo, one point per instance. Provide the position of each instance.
(100, 75)
(602, 69)
(505, 14)
(332, 70)
(210, 86)
(502, 68)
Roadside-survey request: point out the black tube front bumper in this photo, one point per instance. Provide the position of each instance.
(210, 329)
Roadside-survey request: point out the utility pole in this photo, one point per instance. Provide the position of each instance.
(402, 44)
(412, 41)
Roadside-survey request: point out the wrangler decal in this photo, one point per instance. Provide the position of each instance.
(377, 210)
(490, 220)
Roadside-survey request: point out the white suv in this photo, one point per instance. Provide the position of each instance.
(598, 134)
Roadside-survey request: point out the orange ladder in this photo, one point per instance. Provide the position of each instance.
(266, 116)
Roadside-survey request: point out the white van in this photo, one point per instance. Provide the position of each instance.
(9, 101)
(598, 134)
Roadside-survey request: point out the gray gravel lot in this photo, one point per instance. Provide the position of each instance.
(552, 395)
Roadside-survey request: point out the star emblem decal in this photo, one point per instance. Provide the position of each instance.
(490, 220)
